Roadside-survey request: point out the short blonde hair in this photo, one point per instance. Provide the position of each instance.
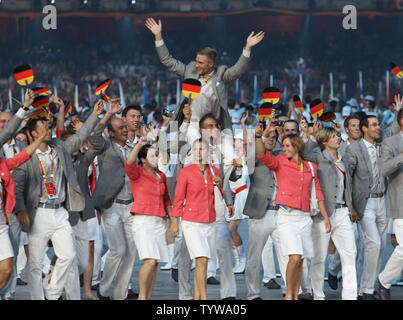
(324, 135)
(210, 53)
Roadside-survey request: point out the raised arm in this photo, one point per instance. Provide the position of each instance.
(233, 73)
(77, 140)
(12, 126)
(390, 163)
(60, 117)
(166, 59)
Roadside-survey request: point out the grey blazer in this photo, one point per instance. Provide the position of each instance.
(392, 168)
(9, 131)
(111, 177)
(81, 165)
(220, 82)
(19, 147)
(28, 179)
(359, 166)
(328, 176)
(261, 190)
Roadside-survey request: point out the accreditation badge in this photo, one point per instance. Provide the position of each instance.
(51, 190)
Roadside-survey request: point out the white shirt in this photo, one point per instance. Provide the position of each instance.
(373, 155)
(9, 149)
(58, 180)
(340, 181)
(126, 192)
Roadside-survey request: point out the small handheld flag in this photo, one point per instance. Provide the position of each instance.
(316, 108)
(105, 98)
(265, 111)
(327, 117)
(191, 88)
(396, 70)
(39, 113)
(42, 91)
(271, 94)
(24, 75)
(102, 87)
(68, 110)
(40, 101)
(298, 104)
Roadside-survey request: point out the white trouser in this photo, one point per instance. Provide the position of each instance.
(54, 225)
(224, 253)
(178, 246)
(334, 266)
(395, 263)
(269, 267)
(342, 235)
(81, 243)
(15, 235)
(212, 267)
(259, 231)
(374, 228)
(305, 286)
(119, 261)
(100, 249)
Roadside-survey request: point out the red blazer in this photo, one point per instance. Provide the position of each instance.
(294, 186)
(7, 165)
(190, 186)
(150, 196)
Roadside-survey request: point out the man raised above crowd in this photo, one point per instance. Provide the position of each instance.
(213, 97)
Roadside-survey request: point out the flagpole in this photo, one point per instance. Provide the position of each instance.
(237, 91)
(331, 85)
(76, 98)
(271, 80)
(10, 100)
(55, 91)
(89, 94)
(388, 96)
(122, 96)
(322, 90)
(301, 87)
(178, 91)
(361, 90)
(255, 97)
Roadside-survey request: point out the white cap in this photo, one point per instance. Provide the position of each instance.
(352, 102)
(346, 111)
(369, 98)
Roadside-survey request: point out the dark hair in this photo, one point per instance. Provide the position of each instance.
(31, 125)
(143, 153)
(131, 107)
(351, 117)
(23, 131)
(66, 134)
(181, 117)
(207, 116)
(365, 123)
(399, 117)
(293, 121)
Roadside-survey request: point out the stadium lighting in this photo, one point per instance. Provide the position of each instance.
(85, 1)
(133, 1)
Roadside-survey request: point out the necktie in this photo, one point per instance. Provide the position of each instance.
(93, 177)
(375, 187)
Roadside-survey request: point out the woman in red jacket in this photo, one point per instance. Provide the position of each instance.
(7, 203)
(294, 222)
(151, 205)
(195, 184)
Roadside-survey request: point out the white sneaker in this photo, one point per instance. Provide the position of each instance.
(166, 266)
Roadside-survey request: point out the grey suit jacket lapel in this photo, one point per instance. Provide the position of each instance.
(117, 151)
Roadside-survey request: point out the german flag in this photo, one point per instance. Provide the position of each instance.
(191, 88)
(40, 101)
(105, 98)
(265, 111)
(68, 110)
(271, 94)
(316, 107)
(396, 70)
(42, 91)
(24, 75)
(327, 117)
(102, 87)
(39, 113)
(298, 104)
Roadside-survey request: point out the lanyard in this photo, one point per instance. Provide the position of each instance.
(14, 150)
(301, 166)
(52, 171)
(338, 167)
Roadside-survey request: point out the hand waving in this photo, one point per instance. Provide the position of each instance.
(254, 39)
(398, 102)
(154, 27)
